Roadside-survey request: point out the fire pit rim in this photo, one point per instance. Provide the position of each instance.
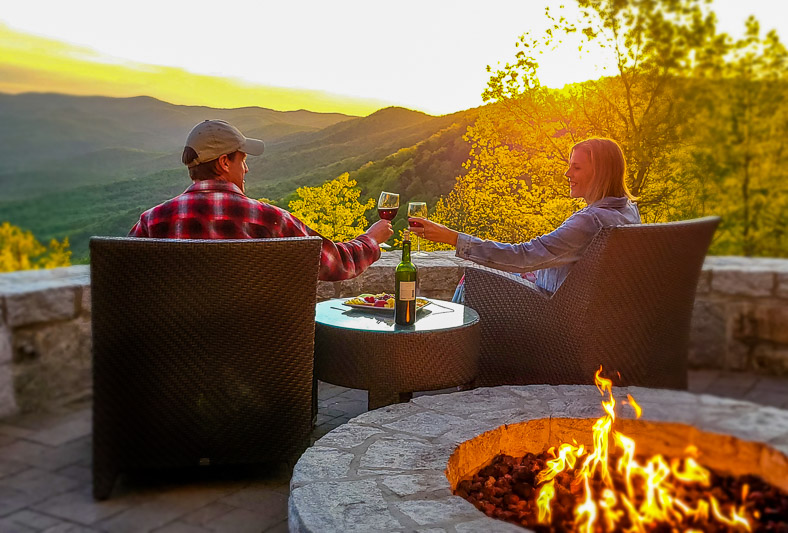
(385, 469)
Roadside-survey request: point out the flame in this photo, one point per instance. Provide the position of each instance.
(651, 492)
(635, 406)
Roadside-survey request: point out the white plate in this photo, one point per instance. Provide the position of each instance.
(387, 310)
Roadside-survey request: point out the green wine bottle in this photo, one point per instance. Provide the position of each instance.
(405, 286)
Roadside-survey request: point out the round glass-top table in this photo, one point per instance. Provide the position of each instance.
(365, 349)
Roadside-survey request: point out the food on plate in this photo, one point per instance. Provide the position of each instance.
(383, 299)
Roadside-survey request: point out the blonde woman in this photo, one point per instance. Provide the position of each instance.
(596, 174)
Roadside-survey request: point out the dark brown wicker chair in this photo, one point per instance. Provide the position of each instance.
(626, 305)
(202, 352)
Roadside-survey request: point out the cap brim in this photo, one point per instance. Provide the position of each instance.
(252, 147)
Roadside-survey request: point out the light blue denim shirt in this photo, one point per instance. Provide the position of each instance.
(553, 254)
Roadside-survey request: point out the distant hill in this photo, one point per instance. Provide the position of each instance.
(81, 166)
(55, 141)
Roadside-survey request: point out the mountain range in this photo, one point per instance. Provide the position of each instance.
(74, 166)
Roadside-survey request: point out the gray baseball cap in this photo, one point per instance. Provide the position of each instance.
(214, 138)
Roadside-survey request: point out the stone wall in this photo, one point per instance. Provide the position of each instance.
(44, 338)
(740, 321)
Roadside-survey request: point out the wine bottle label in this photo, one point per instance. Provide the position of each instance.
(407, 291)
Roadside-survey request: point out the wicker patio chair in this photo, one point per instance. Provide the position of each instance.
(626, 305)
(202, 352)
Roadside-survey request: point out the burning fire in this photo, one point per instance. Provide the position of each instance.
(658, 481)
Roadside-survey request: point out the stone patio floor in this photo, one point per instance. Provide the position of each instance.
(45, 478)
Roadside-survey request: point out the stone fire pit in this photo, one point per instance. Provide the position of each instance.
(386, 470)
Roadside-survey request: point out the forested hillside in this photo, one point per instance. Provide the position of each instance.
(75, 167)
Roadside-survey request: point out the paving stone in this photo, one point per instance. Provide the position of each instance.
(281, 527)
(322, 418)
(699, 380)
(349, 407)
(205, 514)
(328, 412)
(12, 500)
(181, 527)
(774, 399)
(146, 516)
(8, 526)
(70, 430)
(14, 431)
(9, 468)
(40, 483)
(70, 453)
(83, 474)
(263, 501)
(241, 521)
(33, 519)
(70, 528)
(79, 506)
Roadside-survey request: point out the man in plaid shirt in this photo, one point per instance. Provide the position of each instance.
(215, 206)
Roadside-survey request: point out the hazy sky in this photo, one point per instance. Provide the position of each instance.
(423, 54)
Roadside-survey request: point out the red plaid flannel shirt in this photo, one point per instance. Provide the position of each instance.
(214, 209)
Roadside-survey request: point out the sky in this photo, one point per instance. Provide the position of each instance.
(352, 56)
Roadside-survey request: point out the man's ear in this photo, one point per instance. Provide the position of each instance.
(224, 162)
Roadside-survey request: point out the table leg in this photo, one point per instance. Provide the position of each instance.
(381, 398)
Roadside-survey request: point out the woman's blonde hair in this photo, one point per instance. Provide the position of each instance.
(609, 166)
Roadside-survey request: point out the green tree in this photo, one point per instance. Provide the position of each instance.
(654, 44)
(332, 209)
(738, 158)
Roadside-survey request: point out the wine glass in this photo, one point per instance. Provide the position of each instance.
(417, 209)
(388, 205)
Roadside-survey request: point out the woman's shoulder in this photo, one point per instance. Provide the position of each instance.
(611, 211)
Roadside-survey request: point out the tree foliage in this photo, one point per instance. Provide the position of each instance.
(701, 119)
(332, 209)
(19, 250)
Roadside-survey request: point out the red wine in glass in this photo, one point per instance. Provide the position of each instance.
(414, 224)
(388, 212)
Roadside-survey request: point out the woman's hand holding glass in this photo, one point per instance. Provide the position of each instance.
(432, 231)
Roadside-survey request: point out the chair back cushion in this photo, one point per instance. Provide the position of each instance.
(202, 350)
(633, 293)
(626, 305)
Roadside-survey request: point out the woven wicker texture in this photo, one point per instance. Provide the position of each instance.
(202, 352)
(626, 305)
(394, 363)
